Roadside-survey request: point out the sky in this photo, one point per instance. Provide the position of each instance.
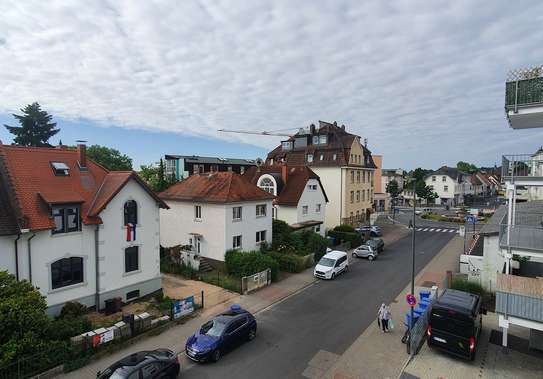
(423, 81)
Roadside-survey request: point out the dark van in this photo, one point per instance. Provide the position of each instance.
(455, 323)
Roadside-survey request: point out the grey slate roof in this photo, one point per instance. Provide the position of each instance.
(449, 171)
(213, 160)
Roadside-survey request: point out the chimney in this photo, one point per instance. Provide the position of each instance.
(342, 127)
(312, 128)
(284, 173)
(82, 154)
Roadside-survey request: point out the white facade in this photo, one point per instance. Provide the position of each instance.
(216, 228)
(311, 207)
(448, 190)
(44, 248)
(332, 179)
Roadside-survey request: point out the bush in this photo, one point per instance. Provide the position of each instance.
(288, 262)
(247, 263)
(344, 228)
(355, 239)
(73, 309)
(64, 327)
(467, 286)
(317, 244)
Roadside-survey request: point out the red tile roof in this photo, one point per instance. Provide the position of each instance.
(216, 187)
(36, 187)
(288, 193)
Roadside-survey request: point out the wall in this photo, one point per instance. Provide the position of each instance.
(311, 198)
(248, 226)
(439, 187)
(365, 185)
(287, 214)
(178, 222)
(492, 263)
(7, 253)
(378, 160)
(331, 179)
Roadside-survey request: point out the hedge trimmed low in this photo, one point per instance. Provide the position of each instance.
(240, 263)
(289, 262)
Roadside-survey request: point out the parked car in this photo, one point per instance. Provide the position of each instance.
(221, 334)
(455, 323)
(374, 230)
(160, 363)
(366, 251)
(331, 265)
(376, 243)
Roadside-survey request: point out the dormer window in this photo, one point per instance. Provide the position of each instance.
(60, 169)
(322, 139)
(315, 140)
(286, 145)
(66, 219)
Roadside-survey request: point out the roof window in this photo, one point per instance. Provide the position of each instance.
(60, 169)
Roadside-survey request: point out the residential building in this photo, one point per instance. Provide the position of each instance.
(344, 165)
(381, 198)
(388, 175)
(519, 296)
(75, 230)
(215, 212)
(450, 184)
(301, 199)
(182, 166)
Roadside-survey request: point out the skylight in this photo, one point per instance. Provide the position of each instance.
(60, 168)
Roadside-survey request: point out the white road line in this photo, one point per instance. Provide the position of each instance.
(444, 230)
(431, 230)
(438, 230)
(419, 229)
(425, 230)
(452, 231)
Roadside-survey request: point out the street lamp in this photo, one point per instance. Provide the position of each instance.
(411, 351)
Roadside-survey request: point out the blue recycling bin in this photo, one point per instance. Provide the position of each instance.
(418, 310)
(424, 304)
(408, 317)
(424, 295)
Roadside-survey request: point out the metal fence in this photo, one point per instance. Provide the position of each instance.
(521, 166)
(253, 282)
(418, 332)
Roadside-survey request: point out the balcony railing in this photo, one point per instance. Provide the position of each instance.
(524, 88)
(522, 166)
(519, 297)
(522, 237)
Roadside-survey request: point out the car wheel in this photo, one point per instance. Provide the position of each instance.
(216, 355)
(252, 334)
(370, 258)
(333, 275)
(354, 255)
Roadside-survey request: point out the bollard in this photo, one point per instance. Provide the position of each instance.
(202, 298)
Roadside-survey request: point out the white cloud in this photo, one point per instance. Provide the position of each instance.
(410, 76)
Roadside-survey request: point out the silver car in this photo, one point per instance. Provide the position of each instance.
(365, 251)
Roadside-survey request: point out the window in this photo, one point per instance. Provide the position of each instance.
(315, 140)
(363, 176)
(352, 176)
(242, 170)
(132, 294)
(443, 178)
(66, 272)
(236, 242)
(310, 158)
(131, 259)
(261, 210)
(286, 145)
(198, 212)
(358, 176)
(260, 236)
(358, 196)
(322, 139)
(317, 229)
(60, 169)
(130, 212)
(305, 209)
(369, 199)
(312, 187)
(267, 184)
(334, 157)
(321, 157)
(445, 188)
(66, 219)
(229, 168)
(236, 213)
(433, 178)
(352, 196)
(318, 208)
(363, 195)
(274, 213)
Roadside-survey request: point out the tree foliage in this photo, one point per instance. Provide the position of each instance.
(155, 176)
(35, 127)
(425, 192)
(466, 167)
(393, 188)
(110, 158)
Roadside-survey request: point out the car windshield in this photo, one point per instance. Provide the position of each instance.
(213, 328)
(327, 262)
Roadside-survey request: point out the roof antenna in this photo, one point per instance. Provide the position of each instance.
(365, 142)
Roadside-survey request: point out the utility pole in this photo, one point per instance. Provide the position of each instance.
(411, 350)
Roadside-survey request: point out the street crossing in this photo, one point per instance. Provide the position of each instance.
(436, 230)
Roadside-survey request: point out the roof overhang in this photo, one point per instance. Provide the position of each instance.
(305, 224)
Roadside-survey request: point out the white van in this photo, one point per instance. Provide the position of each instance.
(331, 265)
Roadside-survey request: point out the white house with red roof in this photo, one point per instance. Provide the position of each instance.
(75, 230)
(215, 212)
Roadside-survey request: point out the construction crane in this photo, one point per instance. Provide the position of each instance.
(259, 132)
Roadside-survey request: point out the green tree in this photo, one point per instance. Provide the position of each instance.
(466, 167)
(36, 127)
(425, 192)
(111, 159)
(155, 176)
(22, 318)
(393, 189)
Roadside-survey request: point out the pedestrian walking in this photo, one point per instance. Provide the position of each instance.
(386, 318)
(410, 224)
(380, 315)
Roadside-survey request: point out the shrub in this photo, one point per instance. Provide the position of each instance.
(354, 238)
(344, 228)
(467, 286)
(317, 244)
(247, 263)
(73, 309)
(64, 327)
(288, 262)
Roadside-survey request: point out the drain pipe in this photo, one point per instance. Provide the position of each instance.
(30, 257)
(97, 269)
(17, 255)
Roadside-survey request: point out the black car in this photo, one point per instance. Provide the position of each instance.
(455, 323)
(154, 364)
(376, 244)
(221, 334)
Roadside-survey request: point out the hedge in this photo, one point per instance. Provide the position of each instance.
(354, 238)
(344, 228)
(288, 262)
(240, 263)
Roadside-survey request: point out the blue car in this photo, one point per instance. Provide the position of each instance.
(223, 333)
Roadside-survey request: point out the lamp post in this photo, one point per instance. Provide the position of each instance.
(412, 267)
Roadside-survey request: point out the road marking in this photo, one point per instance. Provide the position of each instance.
(431, 230)
(425, 230)
(419, 229)
(438, 230)
(452, 231)
(444, 230)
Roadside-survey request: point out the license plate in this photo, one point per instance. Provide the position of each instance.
(190, 353)
(440, 340)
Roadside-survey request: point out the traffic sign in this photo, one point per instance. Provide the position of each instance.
(411, 299)
(470, 218)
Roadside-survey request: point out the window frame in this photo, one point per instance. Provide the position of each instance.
(126, 215)
(261, 206)
(127, 261)
(64, 214)
(197, 212)
(318, 208)
(309, 158)
(305, 210)
(235, 211)
(234, 241)
(260, 236)
(59, 265)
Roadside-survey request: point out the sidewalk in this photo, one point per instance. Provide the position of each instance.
(175, 337)
(378, 355)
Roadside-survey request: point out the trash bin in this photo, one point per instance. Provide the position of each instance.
(424, 294)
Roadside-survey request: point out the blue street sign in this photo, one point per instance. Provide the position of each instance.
(470, 218)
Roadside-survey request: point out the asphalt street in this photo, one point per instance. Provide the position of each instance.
(403, 217)
(328, 315)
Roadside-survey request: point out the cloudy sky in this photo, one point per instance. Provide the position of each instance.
(422, 80)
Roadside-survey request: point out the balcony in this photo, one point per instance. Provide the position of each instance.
(526, 233)
(524, 98)
(523, 169)
(519, 296)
